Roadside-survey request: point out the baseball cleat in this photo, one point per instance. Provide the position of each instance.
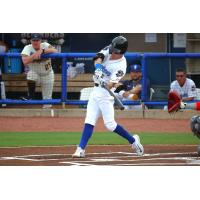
(79, 153)
(138, 146)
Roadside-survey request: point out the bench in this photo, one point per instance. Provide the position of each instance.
(18, 83)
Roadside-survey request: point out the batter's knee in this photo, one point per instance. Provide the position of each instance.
(90, 121)
(111, 126)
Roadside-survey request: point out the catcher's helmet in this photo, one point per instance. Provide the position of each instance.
(195, 125)
(119, 45)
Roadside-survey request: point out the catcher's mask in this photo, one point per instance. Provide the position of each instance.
(195, 125)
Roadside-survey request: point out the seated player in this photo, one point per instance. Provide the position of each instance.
(131, 89)
(184, 86)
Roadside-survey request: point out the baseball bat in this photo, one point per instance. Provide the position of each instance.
(117, 100)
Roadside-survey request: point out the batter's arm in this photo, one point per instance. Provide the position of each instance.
(98, 59)
(111, 85)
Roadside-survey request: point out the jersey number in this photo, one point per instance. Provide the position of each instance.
(48, 66)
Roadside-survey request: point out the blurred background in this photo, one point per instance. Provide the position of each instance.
(161, 72)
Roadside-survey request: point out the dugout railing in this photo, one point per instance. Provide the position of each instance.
(64, 57)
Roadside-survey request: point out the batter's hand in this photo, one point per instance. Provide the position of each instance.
(102, 83)
(98, 74)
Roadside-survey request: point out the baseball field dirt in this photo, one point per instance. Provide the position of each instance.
(155, 154)
(75, 124)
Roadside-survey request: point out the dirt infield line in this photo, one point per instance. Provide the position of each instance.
(94, 145)
(101, 155)
(119, 159)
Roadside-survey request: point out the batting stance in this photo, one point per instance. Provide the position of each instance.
(40, 69)
(110, 65)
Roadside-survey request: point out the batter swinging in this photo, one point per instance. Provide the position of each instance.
(110, 67)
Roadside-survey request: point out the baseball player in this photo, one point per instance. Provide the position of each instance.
(185, 87)
(131, 89)
(40, 69)
(110, 65)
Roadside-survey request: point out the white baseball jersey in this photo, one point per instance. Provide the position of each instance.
(112, 71)
(187, 90)
(42, 66)
(100, 102)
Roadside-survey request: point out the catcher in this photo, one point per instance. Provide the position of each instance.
(175, 104)
(195, 127)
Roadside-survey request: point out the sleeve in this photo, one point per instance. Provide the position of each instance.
(192, 92)
(105, 51)
(102, 54)
(117, 75)
(25, 51)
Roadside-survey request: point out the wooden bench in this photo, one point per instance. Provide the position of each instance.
(18, 83)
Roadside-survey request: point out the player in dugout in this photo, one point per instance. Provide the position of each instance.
(131, 89)
(40, 69)
(184, 86)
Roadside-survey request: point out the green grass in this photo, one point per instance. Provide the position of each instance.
(11, 139)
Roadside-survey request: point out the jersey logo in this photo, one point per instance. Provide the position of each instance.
(105, 71)
(119, 73)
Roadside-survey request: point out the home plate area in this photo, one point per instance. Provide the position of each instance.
(111, 155)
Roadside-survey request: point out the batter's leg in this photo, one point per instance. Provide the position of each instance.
(93, 113)
(107, 110)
